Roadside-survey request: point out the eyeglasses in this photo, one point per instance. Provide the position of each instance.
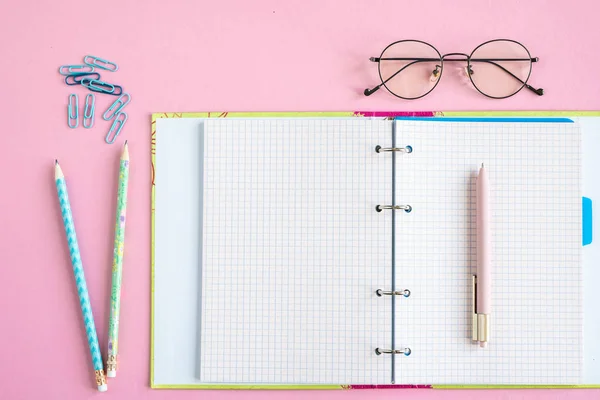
(411, 69)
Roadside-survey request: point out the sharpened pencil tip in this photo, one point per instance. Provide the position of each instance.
(481, 165)
(125, 143)
(55, 161)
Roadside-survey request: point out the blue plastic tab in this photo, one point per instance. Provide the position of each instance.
(586, 220)
(484, 119)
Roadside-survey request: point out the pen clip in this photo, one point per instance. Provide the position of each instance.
(481, 322)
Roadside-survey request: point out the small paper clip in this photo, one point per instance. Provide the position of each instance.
(118, 91)
(96, 85)
(75, 69)
(102, 87)
(115, 128)
(116, 107)
(101, 63)
(73, 109)
(89, 111)
(75, 79)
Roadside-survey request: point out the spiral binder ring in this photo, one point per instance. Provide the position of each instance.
(407, 149)
(406, 351)
(406, 207)
(405, 293)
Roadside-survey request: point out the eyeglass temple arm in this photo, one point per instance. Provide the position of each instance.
(369, 92)
(539, 92)
(377, 59)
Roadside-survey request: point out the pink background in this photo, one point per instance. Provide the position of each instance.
(267, 55)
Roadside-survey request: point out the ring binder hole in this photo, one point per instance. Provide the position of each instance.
(408, 208)
(407, 351)
(378, 208)
(408, 149)
(377, 149)
(406, 293)
(378, 292)
(377, 351)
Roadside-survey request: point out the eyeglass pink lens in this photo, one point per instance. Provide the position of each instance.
(409, 66)
(499, 68)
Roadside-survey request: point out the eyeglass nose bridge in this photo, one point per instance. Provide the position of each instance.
(463, 57)
(435, 74)
(466, 57)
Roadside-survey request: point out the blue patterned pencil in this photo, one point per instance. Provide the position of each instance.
(84, 299)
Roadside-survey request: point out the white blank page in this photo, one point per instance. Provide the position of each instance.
(293, 251)
(536, 326)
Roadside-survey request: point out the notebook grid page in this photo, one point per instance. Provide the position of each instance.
(537, 318)
(293, 252)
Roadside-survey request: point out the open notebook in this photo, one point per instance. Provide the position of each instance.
(271, 227)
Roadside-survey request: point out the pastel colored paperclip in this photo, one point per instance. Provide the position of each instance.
(75, 69)
(76, 79)
(89, 111)
(115, 128)
(96, 85)
(118, 91)
(73, 109)
(116, 107)
(101, 63)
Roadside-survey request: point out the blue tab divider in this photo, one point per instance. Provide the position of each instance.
(586, 221)
(586, 214)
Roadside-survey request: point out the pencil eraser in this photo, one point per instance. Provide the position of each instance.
(111, 374)
(103, 388)
(483, 345)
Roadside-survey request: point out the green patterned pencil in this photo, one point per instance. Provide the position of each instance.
(117, 266)
(84, 298)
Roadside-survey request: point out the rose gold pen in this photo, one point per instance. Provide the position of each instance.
(482, 282)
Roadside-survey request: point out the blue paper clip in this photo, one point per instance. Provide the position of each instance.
(102, 87)
(75, 69)
(115, 128)
(98, 86)
(89, 110)
(118, 91)
(76, 79)
(101, 63)
(73, 110)
(116, 107)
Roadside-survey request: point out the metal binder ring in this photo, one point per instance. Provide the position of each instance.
(406, 351)
(407, 149)
(406, 207)
(405, 293)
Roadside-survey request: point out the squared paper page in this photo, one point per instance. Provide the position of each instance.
(294, 252)
(536, 320)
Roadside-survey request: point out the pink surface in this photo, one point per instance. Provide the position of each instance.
(208, 56)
